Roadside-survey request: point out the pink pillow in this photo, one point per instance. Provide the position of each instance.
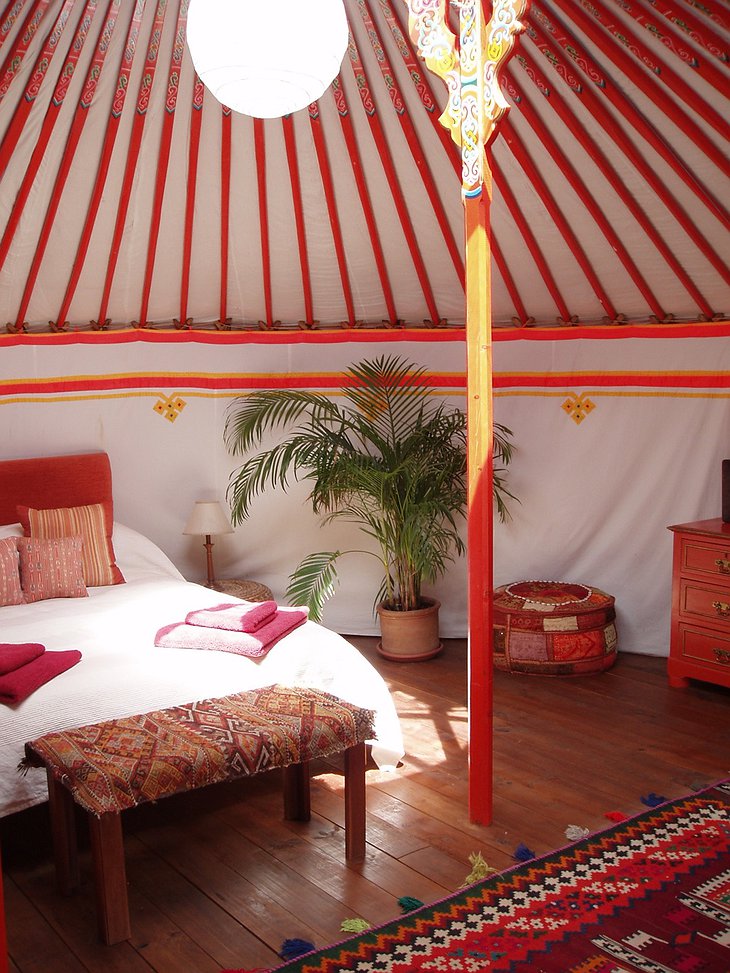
(11, 592)
(51, 568)
(92, 524)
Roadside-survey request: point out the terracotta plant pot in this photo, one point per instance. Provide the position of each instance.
(410, 636)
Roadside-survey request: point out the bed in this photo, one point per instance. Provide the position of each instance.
(122, 672)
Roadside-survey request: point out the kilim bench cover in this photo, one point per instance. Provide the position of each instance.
(554, 628)
(118, 764)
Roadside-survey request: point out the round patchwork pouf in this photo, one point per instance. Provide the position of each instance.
(553, 628)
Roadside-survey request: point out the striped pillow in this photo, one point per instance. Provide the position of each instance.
(91, 524)
(10, 591)
(51, 568)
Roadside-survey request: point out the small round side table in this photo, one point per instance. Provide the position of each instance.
(242, 588)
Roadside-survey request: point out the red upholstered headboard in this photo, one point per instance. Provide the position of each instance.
(54, 481)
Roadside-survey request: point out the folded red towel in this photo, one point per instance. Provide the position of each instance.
(17, 685)
(16, 654)
(252, 644)
(236, 617)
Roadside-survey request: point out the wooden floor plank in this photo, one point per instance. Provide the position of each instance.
(217, 878)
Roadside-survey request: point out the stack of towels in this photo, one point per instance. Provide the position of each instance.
(245, 628)
(25, 666)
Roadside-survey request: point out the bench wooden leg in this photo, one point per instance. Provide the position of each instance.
(110, 879)
(297, 792)
(355, 803)
(63, 831)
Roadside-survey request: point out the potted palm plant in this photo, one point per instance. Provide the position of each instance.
(392, 460)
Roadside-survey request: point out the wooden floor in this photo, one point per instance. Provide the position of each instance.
(218, 880)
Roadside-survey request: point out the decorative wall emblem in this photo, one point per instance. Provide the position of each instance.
(169, 407)
(578, 407)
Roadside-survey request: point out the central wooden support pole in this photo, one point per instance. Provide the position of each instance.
(479, 531)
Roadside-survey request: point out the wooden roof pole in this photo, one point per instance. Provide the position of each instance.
(475, 106)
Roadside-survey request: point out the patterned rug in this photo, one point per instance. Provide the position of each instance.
(651, 894)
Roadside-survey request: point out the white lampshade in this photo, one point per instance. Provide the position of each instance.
(207, 517)
(267, 59)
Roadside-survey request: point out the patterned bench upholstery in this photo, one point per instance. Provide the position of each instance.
(108, 767)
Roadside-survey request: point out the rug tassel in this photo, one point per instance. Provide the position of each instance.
(523, 854)
(408, 903)
(479, 869)
(291, 948)
(653, 800)
(615, 816)
(574, 832)
(354, 925)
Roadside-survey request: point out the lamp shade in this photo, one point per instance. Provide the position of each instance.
(207, 517)
(267, 59)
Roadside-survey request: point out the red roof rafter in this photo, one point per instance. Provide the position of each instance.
(598, 157)
(163, 159)
(196, 118)
(595, 105)
(648, 83)
(365, 201)
(223, 320)
(260, 150)
(133, 149)
(715, 9)
(296, 191)
(104, 159)
(411, 137)
(79, 120)
(40, 69)
(14, 60)
(567, 40)
(420, 80)
(329, 193)
(700, 33)
(363, 86)
(518, 149)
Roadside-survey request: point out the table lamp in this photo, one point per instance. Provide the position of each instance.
(207, 518)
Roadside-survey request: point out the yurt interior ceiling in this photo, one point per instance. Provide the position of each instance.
(161, 255)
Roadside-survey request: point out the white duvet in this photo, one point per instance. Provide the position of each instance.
(122, 672)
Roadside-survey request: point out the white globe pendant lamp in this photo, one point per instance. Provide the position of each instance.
(267, 58)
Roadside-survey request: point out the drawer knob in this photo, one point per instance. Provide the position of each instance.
(722, 655)
(722, 608)
(723, 564)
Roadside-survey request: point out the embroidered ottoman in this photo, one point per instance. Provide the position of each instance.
(107, 767)
(553, 628)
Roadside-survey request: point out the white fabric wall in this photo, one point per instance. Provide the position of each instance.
(596, 496)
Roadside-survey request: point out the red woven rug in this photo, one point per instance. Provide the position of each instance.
(651, 894)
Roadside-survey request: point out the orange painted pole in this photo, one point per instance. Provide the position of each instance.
(479, 526)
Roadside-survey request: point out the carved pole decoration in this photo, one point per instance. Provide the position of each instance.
(475, 105)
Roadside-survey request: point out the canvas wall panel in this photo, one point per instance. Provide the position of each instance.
(616, 438)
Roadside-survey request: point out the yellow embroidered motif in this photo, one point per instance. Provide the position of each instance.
(578, 407)
(169, 407)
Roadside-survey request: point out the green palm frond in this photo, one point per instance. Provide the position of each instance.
(313, 582)
(391, 459)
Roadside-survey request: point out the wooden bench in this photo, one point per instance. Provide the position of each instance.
(107, 767)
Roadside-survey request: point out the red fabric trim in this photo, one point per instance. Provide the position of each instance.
(718, 329)
(225, 208)
(328, 380)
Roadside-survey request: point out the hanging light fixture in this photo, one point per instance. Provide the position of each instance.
(267, 59)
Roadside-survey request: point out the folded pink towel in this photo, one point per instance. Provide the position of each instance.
(255, 645)
(16, 654)
(17, 685)
(235, 617)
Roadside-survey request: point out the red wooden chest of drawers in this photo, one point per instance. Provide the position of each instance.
(700, 639)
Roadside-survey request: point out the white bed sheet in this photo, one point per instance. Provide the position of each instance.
(122, 672)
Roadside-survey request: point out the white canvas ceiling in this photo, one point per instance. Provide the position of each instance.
(125, 187)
